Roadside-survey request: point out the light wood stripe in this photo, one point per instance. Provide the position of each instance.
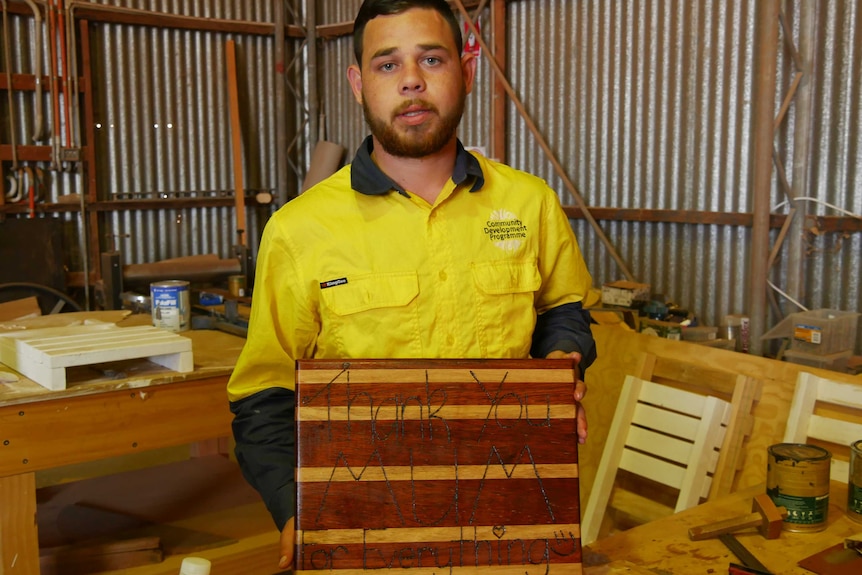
(521, 470)
(448, 412)
(438, 534)
(438, 376)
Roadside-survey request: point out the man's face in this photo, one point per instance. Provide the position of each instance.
(412, 84)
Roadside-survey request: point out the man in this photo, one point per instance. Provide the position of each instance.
(416, 250)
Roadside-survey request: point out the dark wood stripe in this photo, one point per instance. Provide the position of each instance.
(422, 443)
(418, 504)
(466, 552)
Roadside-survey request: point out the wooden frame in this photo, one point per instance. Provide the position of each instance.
(710, 469)
(437, 464)
(829, 413)
(663, 434)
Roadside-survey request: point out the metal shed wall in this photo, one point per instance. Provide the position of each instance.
(647, 104)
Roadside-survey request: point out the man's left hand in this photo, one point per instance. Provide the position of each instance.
(580, 390)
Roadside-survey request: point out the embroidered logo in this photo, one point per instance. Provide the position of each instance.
(333, 283)
(505, 230)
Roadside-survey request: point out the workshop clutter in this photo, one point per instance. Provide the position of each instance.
(823, 338)
(651, 314)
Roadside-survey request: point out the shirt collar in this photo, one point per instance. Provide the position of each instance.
(367, 178)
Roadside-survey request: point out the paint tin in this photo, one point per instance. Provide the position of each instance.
(797, 478)
(854, 482)
(236, 286)
(170, 305)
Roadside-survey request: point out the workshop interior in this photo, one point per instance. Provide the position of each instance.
(707, 154)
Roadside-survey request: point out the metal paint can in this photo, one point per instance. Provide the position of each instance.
(170, 305)
(797, 478)
(236, 285)
(854, 482)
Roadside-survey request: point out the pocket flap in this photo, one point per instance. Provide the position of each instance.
(363, 293)
(507, 277)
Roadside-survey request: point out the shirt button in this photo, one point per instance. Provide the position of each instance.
(443, 276)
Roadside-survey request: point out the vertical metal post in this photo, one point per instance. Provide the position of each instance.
(764, 112)
(802, 150)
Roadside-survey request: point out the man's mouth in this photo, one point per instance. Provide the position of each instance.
(414, 113)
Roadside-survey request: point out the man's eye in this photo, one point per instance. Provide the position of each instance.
(388, 67)
(432, 61)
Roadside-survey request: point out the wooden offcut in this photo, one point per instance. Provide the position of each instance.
(44, 354)
(456, 466)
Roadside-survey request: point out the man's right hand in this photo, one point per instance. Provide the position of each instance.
(288, 535)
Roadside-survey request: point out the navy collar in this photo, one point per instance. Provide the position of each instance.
(367, 178)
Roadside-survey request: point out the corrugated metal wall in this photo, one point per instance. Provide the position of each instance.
(646, 104)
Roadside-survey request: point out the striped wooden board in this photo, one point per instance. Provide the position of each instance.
(437, 466)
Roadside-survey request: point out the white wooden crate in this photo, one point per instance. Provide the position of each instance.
(44, 354)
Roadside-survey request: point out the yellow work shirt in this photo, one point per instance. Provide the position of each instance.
(344, 274)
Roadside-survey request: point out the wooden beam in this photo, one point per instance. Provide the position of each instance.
(824, 224)
(236, 140)
(113, 15)
(19, 541)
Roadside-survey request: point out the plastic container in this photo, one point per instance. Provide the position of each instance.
(195, 566)
(824, 331)
(834, 361)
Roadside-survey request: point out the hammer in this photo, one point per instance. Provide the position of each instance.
(764, 515)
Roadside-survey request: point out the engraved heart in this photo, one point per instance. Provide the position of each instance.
(499, 531)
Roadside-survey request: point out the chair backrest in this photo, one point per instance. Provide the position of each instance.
(740, 390)
(829, 413)
(664, 434)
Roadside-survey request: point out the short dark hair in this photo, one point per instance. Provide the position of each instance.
(371, 9)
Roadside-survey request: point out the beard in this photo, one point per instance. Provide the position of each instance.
(415, 141)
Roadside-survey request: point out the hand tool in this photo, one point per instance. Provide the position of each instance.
(765, 516)
(749, 561)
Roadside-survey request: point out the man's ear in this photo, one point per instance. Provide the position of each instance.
(354, 76)
(468, 69)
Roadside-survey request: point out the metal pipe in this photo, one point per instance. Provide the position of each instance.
(53, 49)
(313, 92)
(280, 108)
(64, 61)
(40, 118)
(764, 112)
(545, 147)
(802, 151)
(9, 95)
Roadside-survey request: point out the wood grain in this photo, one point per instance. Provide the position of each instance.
(467, 465)
(19, 544)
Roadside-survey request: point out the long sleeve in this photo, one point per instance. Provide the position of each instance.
(263, 428)
(565, 328)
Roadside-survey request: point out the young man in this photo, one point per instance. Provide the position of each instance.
(416, 250)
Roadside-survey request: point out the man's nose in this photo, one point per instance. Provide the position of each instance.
(412, 79)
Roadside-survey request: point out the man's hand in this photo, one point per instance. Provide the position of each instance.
(287, 544)
(580, 390)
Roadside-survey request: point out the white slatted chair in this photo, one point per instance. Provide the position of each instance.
(829, 412)
(665, 434)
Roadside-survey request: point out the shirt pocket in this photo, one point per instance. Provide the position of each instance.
(505, 310)
(370, 315)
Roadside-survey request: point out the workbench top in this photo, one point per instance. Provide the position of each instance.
(663, 546)
(215, 353)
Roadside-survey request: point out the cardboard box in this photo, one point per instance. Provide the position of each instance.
(624, 293)
(665, 329)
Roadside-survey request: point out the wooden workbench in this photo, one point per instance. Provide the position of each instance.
(110, 411)
(663, 546)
